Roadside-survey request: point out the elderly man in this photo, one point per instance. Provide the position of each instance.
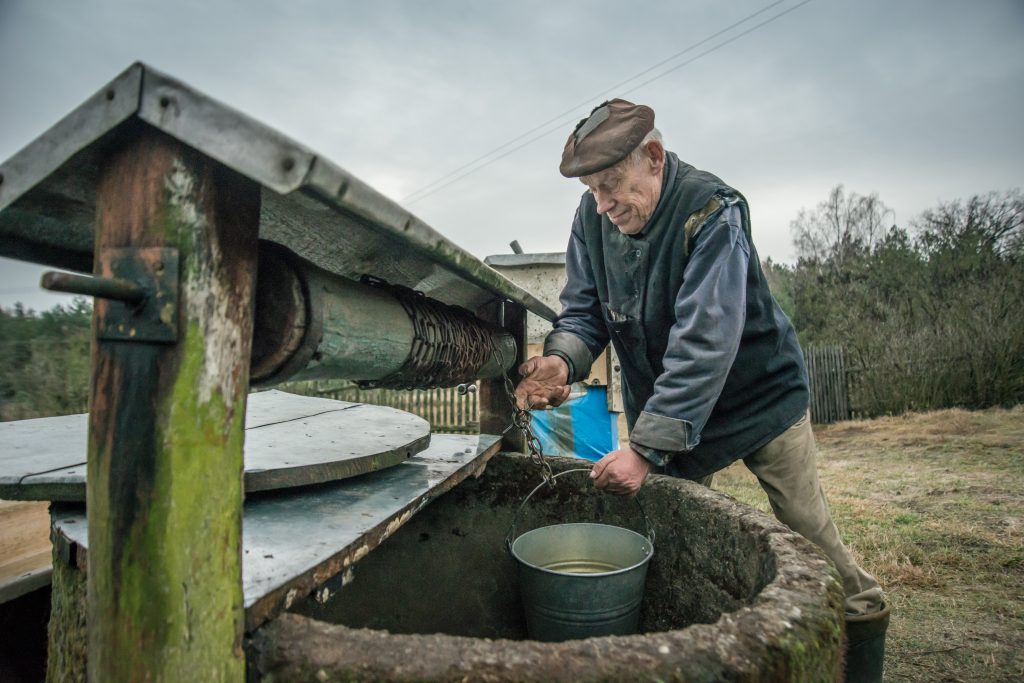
(660, 262)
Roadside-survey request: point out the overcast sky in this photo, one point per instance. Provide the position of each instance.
(919, 101)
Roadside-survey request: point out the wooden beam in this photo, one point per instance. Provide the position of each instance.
(313, 324)
(495, 406)
(164, 486)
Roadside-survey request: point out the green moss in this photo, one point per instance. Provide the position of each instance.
(180, 592)
(812, 655)
(68, 639)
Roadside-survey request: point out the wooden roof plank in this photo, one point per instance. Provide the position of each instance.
(309, 204)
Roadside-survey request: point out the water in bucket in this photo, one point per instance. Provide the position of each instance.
(581, 580)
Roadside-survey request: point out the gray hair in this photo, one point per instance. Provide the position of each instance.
(639, 153)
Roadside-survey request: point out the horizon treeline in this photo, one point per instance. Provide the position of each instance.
(45, 360)
(931, 315)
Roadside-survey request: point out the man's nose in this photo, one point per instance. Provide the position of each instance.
(604, 202)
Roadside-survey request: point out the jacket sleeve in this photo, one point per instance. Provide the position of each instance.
(579, 334)
(710, 312)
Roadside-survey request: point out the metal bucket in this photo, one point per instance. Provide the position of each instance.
(581, 580)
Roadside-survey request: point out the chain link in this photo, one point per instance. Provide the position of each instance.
(523, 421)
(449, 344)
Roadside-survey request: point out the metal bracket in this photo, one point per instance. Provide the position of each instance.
(155, 317)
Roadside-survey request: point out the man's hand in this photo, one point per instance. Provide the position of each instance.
(545, 382)
(622, 472)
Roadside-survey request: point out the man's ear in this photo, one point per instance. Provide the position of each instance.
(655, 156)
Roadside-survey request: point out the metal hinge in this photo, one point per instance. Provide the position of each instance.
(136, 293)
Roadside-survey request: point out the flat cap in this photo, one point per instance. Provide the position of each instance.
(606, 137)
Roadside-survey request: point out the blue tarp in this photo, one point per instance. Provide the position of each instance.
(582, 427)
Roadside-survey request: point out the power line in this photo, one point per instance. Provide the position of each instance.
(706, 52)
(434, 187)
(590, 100)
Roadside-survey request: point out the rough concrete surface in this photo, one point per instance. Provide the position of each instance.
(731, 595)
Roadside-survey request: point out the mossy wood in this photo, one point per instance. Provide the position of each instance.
(149, 163)
(166, 423)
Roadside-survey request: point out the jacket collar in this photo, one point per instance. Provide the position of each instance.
(668, 181)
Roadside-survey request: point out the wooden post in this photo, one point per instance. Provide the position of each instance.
(495, 408)
(166, 423)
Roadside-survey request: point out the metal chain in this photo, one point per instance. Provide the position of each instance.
(523, 421)
(449, 343)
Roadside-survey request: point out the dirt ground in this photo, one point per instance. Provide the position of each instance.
(932, 504)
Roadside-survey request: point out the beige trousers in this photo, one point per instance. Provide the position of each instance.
(788, 473)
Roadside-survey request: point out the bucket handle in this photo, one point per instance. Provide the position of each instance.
(511, 535)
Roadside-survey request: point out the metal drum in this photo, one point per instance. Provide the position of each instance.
(581, 580)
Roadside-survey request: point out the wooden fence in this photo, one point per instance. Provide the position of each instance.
(828, 376)
(447, 411)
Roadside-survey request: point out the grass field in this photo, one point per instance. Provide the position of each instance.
(932, 504)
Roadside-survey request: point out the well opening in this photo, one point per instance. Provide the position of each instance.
(731, 595)
(447, 571)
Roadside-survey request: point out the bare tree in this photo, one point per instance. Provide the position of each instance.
(991, 224)
(840, 226)
(931, 317)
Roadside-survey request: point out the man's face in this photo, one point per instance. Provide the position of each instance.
(628, 193)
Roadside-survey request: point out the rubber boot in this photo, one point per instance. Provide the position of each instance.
(865, 646)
